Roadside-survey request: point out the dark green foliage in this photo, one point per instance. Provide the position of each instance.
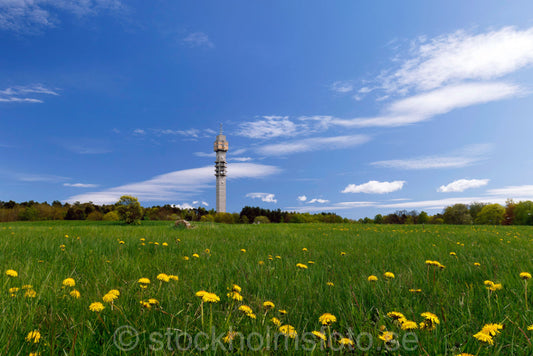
(129, 209)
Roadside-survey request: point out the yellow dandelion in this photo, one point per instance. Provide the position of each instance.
(327, 319)
(346, 341)
(30, 293)
(201, 293)
(143, 239)
(409, 325)
(278, 257)
(288, 330)
(153, 301)
(235, 296)
(75, 294)
(301, 266)
(525, 275)
(343, 253)
(530, 327)
(268, 305)
(33, 336)
(310, 262)
(185, 258)
(251, 315)
(372, 278)
(69, 282)
(210, 298)
(143, 281)
(245, 309)
(96, 307)
(243, 250)
(319, 335)
(396, 315)
(477, 264)
(389, 275)
(387, 336)
(145, 304)
(12, 273)
(415, 290)
(173, 277)
(195, 255)
(492, 329)
(109, 297)
(330, 284)
(276, 321)
(121, 242)
(282, 311)
(229, 337)
(486, 338)
(431, 317)
(14, 290)
(488, 283)
(163, 277)
(304, 249)
(453, 254)
(495, 287)
(164, 244)
(115, 292)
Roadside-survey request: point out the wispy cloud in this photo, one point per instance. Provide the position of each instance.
(461, 185)
(466, 157)
(342, 86)
(318, 200)
(25, 94)
(270, 127)
(240, 159)
(375, 187)
(177, 185)
(312, 144)
(302, 198)
(205, 154)
(32, 16)
(47, 178)
(515, 191)
(266, 197)
(198, 39)
(191, 133)
(80, 185)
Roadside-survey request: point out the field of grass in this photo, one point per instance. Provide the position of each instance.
(262, 260)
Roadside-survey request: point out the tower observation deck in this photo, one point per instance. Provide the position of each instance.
(221, 147)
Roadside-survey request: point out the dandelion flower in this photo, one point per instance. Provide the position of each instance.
(278, 257)
(109, 297)
(415, 290)
(477, 264)
(210, 298)
(431, 317)
(495, 287)
(346, 341)
(195, 255)
(201, 293)
(243, 250)
(121, 242)
(96, 307)
(69, 282)
(330, 284)
(409, 325)
(343, 253)
(114, 291)
(229, 337)
(327, 319)
(153, 301)
(319, 335)
(236, 288)
(245, 309)
(145, 304)
(163, 277)
(165, 244)
(492, 329)
(75, 294)
(268, 305)
(276, 321)
(310, 262)
(174, 278)
(282, 311)
(30, 293)
(453, 254)
(14, 290)
(387, 336)
(486, 338)
(185, 258)
(488, 283)
(33, 336)
(304, 249)
(396, 315)
(288, 330)
(372, 278)
(12, 273)
(388, 275)
(530, 328)
(144, 281)
(301, 266)
(525, 275)
(235, 296)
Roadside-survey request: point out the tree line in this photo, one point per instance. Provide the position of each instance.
(512, 213)
(129, 210)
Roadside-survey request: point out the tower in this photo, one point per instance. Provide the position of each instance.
(221, 147)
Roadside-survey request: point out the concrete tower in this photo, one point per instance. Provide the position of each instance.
(221, 147)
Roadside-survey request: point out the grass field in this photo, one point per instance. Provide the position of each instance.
(262, 260)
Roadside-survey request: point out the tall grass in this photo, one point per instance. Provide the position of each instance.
(342, 254)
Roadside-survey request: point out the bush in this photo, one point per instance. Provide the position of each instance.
(224, 218)
(261, 220)
(111, 216)
(129, 209)
(95, 216)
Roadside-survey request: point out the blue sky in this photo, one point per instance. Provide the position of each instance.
(347, 106)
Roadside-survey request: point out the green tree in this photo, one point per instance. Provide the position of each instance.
(523, 213)
(129, 209)
(111, 216)
(457, 214)
(423, 218)
(261, 220)
(491, 214)
(378, 219)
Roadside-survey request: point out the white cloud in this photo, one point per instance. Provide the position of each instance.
(466, 157)
(375, 187)
(270, 127)
(183, 206)
(240, 159)
(198, 39)
(80, 185)
(517, 191)
(318, 200)
(266, 197)
(205, 203)
(177, 185)
(462, 185)
(342, 86)
(424, 106)
(203, 154)
(302, 198)
(139, 132)
(31, 16)
(312, 144)
(462, 56)
(20, 94)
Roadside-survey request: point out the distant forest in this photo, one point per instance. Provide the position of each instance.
(520, 213)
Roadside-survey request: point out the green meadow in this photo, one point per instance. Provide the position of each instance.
(304, 270)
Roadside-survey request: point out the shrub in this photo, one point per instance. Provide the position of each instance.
(111, 216)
